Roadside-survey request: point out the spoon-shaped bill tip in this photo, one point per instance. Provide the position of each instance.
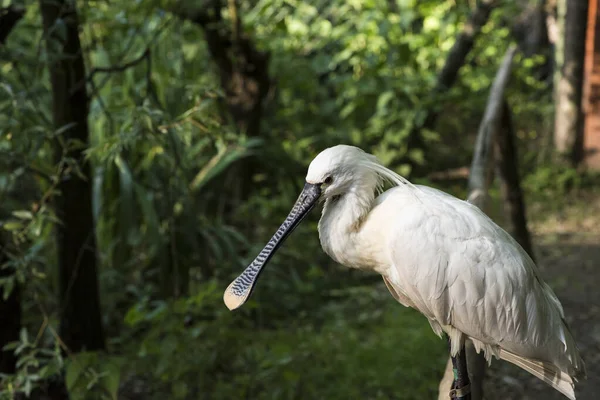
(234, 299)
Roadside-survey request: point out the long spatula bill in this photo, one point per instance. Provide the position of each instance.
(240, 289)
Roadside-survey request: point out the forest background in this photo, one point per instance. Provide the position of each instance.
(148, 149)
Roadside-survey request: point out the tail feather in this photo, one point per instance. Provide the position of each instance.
(547, 372)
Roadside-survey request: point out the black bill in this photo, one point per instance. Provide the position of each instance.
(240, 289)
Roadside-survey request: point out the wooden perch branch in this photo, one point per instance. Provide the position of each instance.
(490, 125)
(480, 178)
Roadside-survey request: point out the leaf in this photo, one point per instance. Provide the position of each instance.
(383, 100)
(134, 315)
(24, 337)
(12, 225)
(60, 29)
(97, 191)
(8, 285)
(23, 214)
(126, 200)
(151, 218)
(112, 369)
(28, 387)
(75, 378)
(223, 159)
(236, 235)
(64, 128)
(10, 346)
(73, 374)
(211, 240)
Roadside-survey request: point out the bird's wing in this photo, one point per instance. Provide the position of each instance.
(461, 269)
(397, 293)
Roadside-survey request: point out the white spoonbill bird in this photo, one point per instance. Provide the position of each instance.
(437, 254)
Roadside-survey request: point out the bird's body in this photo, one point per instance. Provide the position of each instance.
(461, 271)
(445, 258)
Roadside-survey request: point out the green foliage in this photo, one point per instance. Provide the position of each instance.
(93, 375)
(363, 73)
(35, 364)
(175, 220)
(553, 178)
(195, 349)
(552, 183)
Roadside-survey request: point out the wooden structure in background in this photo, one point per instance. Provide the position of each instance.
(492, 130)
(591, 88)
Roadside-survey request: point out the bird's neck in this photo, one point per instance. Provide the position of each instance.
(342, 220)
(350, 209)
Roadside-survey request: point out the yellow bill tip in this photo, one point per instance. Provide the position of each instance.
(233, 301)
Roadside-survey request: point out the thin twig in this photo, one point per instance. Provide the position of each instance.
(108, 70)
(156, 34)
(122, 67)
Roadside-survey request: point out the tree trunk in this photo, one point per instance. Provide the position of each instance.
(455, 60)
(9, 16)
(510, 184)
(558, 38)
(568, 123)
(531, 32)
(480, 178)
(10, 320)
(80, 319)
(243, 69)
(464, 43)
(535, 39)
(488, 130)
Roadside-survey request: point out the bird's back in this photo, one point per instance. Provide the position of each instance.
(469, 277)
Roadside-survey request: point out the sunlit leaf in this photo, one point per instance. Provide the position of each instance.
(12, 225)
(23, 214)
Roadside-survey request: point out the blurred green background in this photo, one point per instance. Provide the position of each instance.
(202, 119)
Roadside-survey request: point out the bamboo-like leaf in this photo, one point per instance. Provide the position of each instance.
(8, 285)
(151, 218)
(212, 242)
(221, 161)
(207, 172)
(235, 235)
(23, 214)
(12, 225)
(126, 198)
(64, 128)
(228, 244)
(97, 192)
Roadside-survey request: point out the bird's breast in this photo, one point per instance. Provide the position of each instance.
(350, 235)
(338, 245)
(351, 248)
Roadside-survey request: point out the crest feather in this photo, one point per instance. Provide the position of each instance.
(384, 174)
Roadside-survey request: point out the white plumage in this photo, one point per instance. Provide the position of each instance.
(447, 259)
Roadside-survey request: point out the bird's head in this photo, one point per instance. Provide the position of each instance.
(337, 169)
(334, 172)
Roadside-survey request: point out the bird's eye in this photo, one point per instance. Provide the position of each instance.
(328, 180)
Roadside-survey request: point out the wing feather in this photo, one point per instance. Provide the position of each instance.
(465, 273)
